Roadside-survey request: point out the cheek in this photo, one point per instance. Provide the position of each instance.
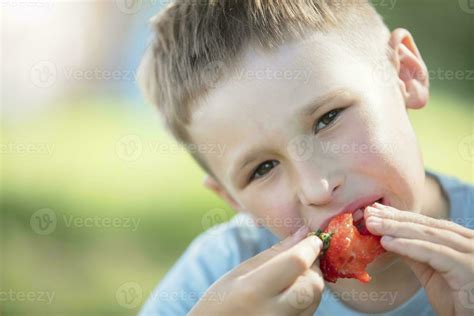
(383, 147)
(361, 143)
(274, 208)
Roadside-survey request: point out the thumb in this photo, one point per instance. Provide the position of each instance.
(271, 252)
(422, 271)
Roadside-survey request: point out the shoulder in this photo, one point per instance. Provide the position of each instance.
(208, 257)
(234, 241)
(461, 197)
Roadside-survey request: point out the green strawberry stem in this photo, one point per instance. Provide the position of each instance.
(325, 238)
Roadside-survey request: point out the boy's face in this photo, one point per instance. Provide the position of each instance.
(310, 131)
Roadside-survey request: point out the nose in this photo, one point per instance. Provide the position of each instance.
(316, 188)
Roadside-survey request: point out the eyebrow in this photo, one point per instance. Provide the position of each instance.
(306, 110)
(314, 105)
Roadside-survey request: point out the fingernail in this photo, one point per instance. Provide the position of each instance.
(300, 233)
(387, 239)
(372, 210)
(378, 205)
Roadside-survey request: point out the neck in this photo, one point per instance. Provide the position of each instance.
(397, 283)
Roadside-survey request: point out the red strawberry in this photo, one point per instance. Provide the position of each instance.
(346, 250)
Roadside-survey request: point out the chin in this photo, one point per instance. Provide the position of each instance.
(382, 263)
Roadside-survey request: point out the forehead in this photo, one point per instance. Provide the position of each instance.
(257, 104)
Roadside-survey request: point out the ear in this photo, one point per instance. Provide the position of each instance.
(213, 185)
(411, 69)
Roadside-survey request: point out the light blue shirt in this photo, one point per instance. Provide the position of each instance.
(222, 248)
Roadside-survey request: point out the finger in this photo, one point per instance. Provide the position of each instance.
(423, 271)
(441, 258)
(304, 295)
(385, 211)
(271, 252)
(409, 230)
(282, 270)
(318, 290)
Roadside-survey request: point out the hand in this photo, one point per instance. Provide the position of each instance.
(440, 253)
(283, 280)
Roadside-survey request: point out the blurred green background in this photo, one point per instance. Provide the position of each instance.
(97, 202)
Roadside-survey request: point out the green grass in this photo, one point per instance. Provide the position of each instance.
(86, 177)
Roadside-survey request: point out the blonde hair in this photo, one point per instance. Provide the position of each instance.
(190, 37)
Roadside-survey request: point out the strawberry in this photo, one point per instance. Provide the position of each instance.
(346, 250)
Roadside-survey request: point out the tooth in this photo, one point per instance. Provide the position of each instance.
(358, 214)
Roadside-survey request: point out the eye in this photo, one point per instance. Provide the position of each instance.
(326, 119)
(263, 169)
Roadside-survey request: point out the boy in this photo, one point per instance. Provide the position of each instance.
(309, 99)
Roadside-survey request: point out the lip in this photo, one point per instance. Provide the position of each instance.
(360, 203)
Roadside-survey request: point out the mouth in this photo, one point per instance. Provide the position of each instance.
(357, 209)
